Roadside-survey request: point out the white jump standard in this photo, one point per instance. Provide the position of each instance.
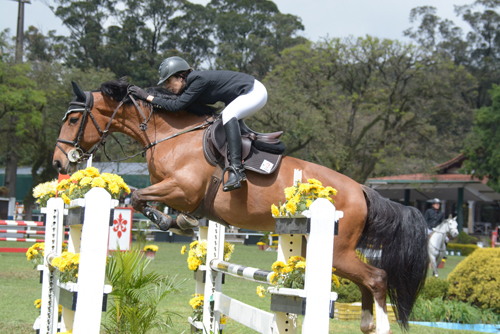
(89, 221)
(315, 301)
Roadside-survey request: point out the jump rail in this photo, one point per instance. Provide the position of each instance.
(315, 301)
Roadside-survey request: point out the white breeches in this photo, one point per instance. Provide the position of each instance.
(246, 105)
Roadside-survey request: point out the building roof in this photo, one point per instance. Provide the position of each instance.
(442, 185)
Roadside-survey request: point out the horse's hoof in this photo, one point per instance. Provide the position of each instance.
(186, 233)
(163, 222)
(186, 222)
(436, 275)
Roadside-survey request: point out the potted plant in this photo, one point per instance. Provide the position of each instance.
(264, 241)
(300, 197)
(150, 251)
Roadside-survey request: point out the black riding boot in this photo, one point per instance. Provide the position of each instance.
(236, 172)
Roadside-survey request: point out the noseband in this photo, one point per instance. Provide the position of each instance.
(78, 154)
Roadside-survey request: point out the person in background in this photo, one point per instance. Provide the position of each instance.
(434, 216)
(242, 94)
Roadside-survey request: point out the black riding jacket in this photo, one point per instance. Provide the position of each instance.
(209, 87)
(433, 217)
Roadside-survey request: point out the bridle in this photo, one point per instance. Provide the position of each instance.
(439, 232)
(78, 154)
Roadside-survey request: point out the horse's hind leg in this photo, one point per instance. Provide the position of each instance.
(373, 284)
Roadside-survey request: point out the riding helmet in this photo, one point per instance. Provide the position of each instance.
(170, 66)
(434, 201)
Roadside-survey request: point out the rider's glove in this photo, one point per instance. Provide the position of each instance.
(138, 92)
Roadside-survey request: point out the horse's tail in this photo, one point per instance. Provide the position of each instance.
(400, 232)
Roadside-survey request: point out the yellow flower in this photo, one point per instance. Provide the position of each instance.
(295, 258)
(274, 277)
(304, 188)
(287, 269)
(114, 188)
(223, 320)
(300, 265)
(77, 176)
(153, 248)
(314, 182)
(86, 180)
(275, 211)
(183, 250)
(196, 301)
(289, 192)
(38, 303)
(65, 199)
(278, 266)
(291, 207)
(261, 291)
(98, 182)
(335, 280)
(62, 184)
(91, 171)
(308, 203)
(193, 244)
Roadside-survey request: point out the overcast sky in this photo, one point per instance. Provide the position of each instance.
(335, 18)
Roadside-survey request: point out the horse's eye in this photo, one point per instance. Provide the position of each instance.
(73, 120)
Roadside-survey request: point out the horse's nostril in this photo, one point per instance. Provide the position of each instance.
(57, 165)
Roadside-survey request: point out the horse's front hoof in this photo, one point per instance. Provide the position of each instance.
(185, 233)
(163, 222)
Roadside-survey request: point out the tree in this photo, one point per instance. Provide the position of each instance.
(481, 144)
(20, 100)
(250, 34)
(478, 52)
(361, 105)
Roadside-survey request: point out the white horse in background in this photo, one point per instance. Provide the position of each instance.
(437, 246)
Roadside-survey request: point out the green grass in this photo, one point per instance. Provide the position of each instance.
(19, 287)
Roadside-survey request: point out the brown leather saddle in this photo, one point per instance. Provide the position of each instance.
(261, 152)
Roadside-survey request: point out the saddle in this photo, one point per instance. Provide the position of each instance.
(261, 152)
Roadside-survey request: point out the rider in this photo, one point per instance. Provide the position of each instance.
(242, 94)
(434, 216)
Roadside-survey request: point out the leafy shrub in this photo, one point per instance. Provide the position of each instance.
(475, 279)
(348, 292)
(434, 288)
(466, 249)
(451, 311)
(136, 296)
(464, 238)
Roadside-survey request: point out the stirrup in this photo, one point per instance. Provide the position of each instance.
(240, 175)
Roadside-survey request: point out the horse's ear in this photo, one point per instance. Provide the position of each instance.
(78, 92)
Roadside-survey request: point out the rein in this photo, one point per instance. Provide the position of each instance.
(78, 154)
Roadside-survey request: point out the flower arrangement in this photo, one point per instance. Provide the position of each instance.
(301, 196)
(197, 304)
(291, 275)
(44, 191)
(67, 264)
(198, 253)
(152, 248)
(79, 184)
(35, 254)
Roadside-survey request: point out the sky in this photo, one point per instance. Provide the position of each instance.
(321, 18)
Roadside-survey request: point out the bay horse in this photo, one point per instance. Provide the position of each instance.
(180, 176)
(437, 245)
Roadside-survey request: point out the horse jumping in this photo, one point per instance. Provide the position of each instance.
(181, 175)
(437, 246)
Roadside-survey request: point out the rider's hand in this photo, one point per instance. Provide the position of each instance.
(138, 92)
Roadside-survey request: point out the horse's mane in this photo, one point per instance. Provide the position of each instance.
(117, 90)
